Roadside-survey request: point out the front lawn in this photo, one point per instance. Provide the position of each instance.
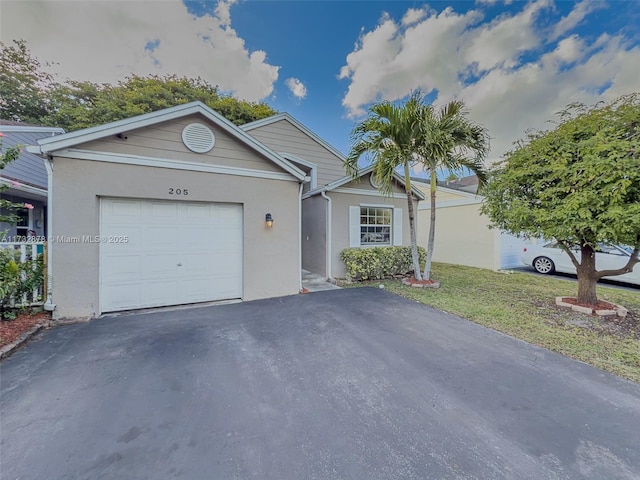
(523, 306)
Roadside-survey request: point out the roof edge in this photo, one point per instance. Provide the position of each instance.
(346, 179)
(30, 128)
(59, 142)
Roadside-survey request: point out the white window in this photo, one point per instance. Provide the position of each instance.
(375, 225)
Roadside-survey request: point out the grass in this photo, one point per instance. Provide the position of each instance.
(523, 306)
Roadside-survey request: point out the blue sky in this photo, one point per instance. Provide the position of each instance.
(514, 63)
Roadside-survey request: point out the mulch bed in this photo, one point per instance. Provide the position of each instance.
(601, 305)
(411, 281)
(627, 327)
(12, 330)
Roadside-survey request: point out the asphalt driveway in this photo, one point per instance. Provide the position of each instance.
(344, 384)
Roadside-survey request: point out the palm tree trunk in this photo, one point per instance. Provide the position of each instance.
(432, 226)
(412, 224)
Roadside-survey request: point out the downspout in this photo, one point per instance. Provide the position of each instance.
(300, 237)
(328, 239)
(49, 306)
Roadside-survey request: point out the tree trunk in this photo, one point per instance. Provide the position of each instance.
(587, 279)
(412, 225)
(432, 227)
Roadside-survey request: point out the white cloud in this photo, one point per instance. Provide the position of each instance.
(296, 87)
(575, 16)
(501, 41)
(413, 15)
(103, 41)
(511, 71)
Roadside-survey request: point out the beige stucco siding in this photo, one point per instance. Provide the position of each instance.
(314, 237)
(282, 136)
(165, 141)
(462, 236)
(340, 222)
(270, 256)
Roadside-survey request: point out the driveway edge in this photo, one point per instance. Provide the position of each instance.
(7, 350)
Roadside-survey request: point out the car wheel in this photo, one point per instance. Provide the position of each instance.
(544, 265)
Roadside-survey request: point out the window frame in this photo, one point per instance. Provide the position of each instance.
(389, 224)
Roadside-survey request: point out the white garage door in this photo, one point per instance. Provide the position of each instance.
(156, 253)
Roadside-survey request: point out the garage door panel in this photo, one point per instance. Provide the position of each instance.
(160, 292)
(178, 252)
(159, 237)
(197, 212)
(226, 239)
(229, 212)
(122, 296)
(123, 266)
(197, 238)
(161, 211)
(224, 263)
(195, 264)
(197, 289)
(122, 212)
(159, 264)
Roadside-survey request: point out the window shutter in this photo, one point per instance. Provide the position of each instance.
(397, 226)
(354, 226)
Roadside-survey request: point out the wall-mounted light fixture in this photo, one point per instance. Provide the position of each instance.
(268, 220)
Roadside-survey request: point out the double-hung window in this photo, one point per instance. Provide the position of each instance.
(375, 225)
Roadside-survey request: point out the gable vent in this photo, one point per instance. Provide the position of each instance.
(198, 138)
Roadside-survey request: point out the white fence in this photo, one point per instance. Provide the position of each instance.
(28, 251)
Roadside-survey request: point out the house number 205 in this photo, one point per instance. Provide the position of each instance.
(178, 191)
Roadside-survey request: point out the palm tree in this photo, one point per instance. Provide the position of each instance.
(448, 141)
(388, 135)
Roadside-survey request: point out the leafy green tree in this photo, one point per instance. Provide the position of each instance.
(447, 140)
(388, 136)
(578, 183)
(77, 105)
(23, 84)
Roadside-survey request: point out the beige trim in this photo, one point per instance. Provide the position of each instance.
(109, 157)
(452, 203)
(370, 193)
(377, 205)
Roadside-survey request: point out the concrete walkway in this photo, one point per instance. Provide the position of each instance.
(316, 283)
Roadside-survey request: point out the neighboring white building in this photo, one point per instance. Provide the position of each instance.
(463, 236)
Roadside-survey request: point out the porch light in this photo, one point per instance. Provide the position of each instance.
(268, 220)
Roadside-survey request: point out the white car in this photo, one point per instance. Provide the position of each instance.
(550, 258)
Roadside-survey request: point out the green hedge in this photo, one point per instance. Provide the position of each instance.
(374, 263)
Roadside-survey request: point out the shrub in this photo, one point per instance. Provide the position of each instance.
(17, 278)
(374, 263)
